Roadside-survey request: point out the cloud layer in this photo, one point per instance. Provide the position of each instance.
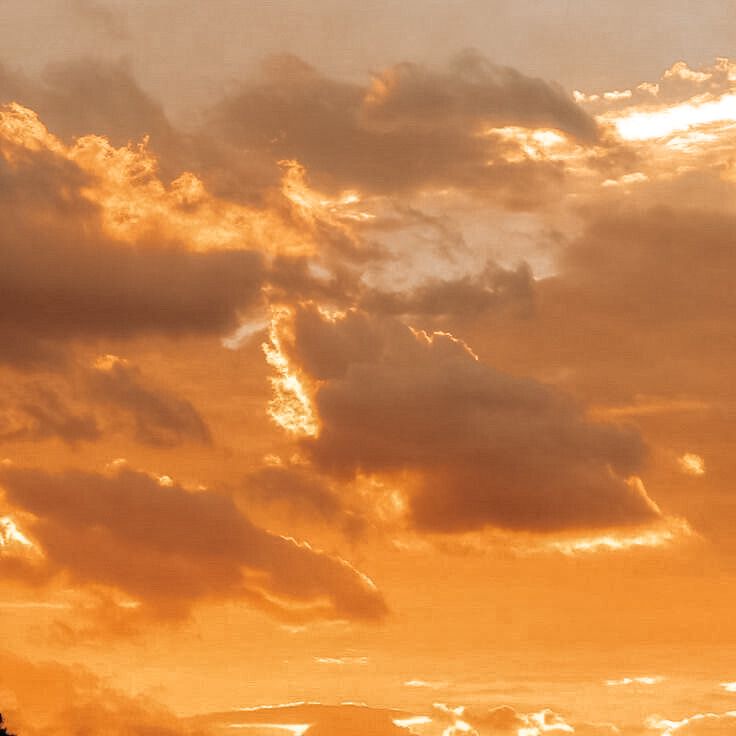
(166, 547)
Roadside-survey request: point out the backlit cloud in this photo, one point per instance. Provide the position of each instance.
(168, 547)
(479, 447)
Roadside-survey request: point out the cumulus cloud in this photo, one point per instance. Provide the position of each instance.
(63, 277)
(481, 447)
(167, 547)
(411, 128)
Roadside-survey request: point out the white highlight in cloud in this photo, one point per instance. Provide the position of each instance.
(641, 125)
(412, 721)
(426, 684)
(296, 728)
(10, 534)
(681, 70)
(660, 535)
(341, 660)
(667, 727)
(240, 337)
(691, 464)
(633, 178)
(635, 681)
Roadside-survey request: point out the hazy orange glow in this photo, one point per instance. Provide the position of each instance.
(378, 388)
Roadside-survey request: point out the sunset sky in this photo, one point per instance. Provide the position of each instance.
(367, 368)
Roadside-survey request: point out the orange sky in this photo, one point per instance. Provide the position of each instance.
(385, 392)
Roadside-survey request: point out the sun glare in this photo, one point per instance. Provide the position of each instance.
(640, 125)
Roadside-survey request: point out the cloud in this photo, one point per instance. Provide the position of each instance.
(480, 447)
(62, 276)
(411, 128)
(51, 699)
(506, 721)
(646, 680)
(465, 297)
(42, 414)
(167, 547)
(84, 96)
(657, 277)
(160, 417)
(317, 719)
(300, 490)
(699, 724)
(650, 290)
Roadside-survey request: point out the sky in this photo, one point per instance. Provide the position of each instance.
(367, 368)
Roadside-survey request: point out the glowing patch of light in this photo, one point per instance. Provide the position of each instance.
(296, 728)
(457, 711)
(107, 362)
(691, 464)
(690, 141)
(134, 202)
(341, 660)
(412, 721)
(633, 178)
(10, 534)
(22, 127)
(634, 681)
(534, 143)
(311, 203)
(425, 683)
(430, 338)
(616, 95)
(680, 70)
(729, 687)
(291, 406)
(242, 334)
(725, 65)
(650, 87)
(544, 725)
(640, 125)
(660, 536)
(667, 727)
(117, 464)
(276, 706)
(459, 726)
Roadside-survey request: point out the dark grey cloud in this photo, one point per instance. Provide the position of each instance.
(484, 447)
(62, 277)
(410, 128)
